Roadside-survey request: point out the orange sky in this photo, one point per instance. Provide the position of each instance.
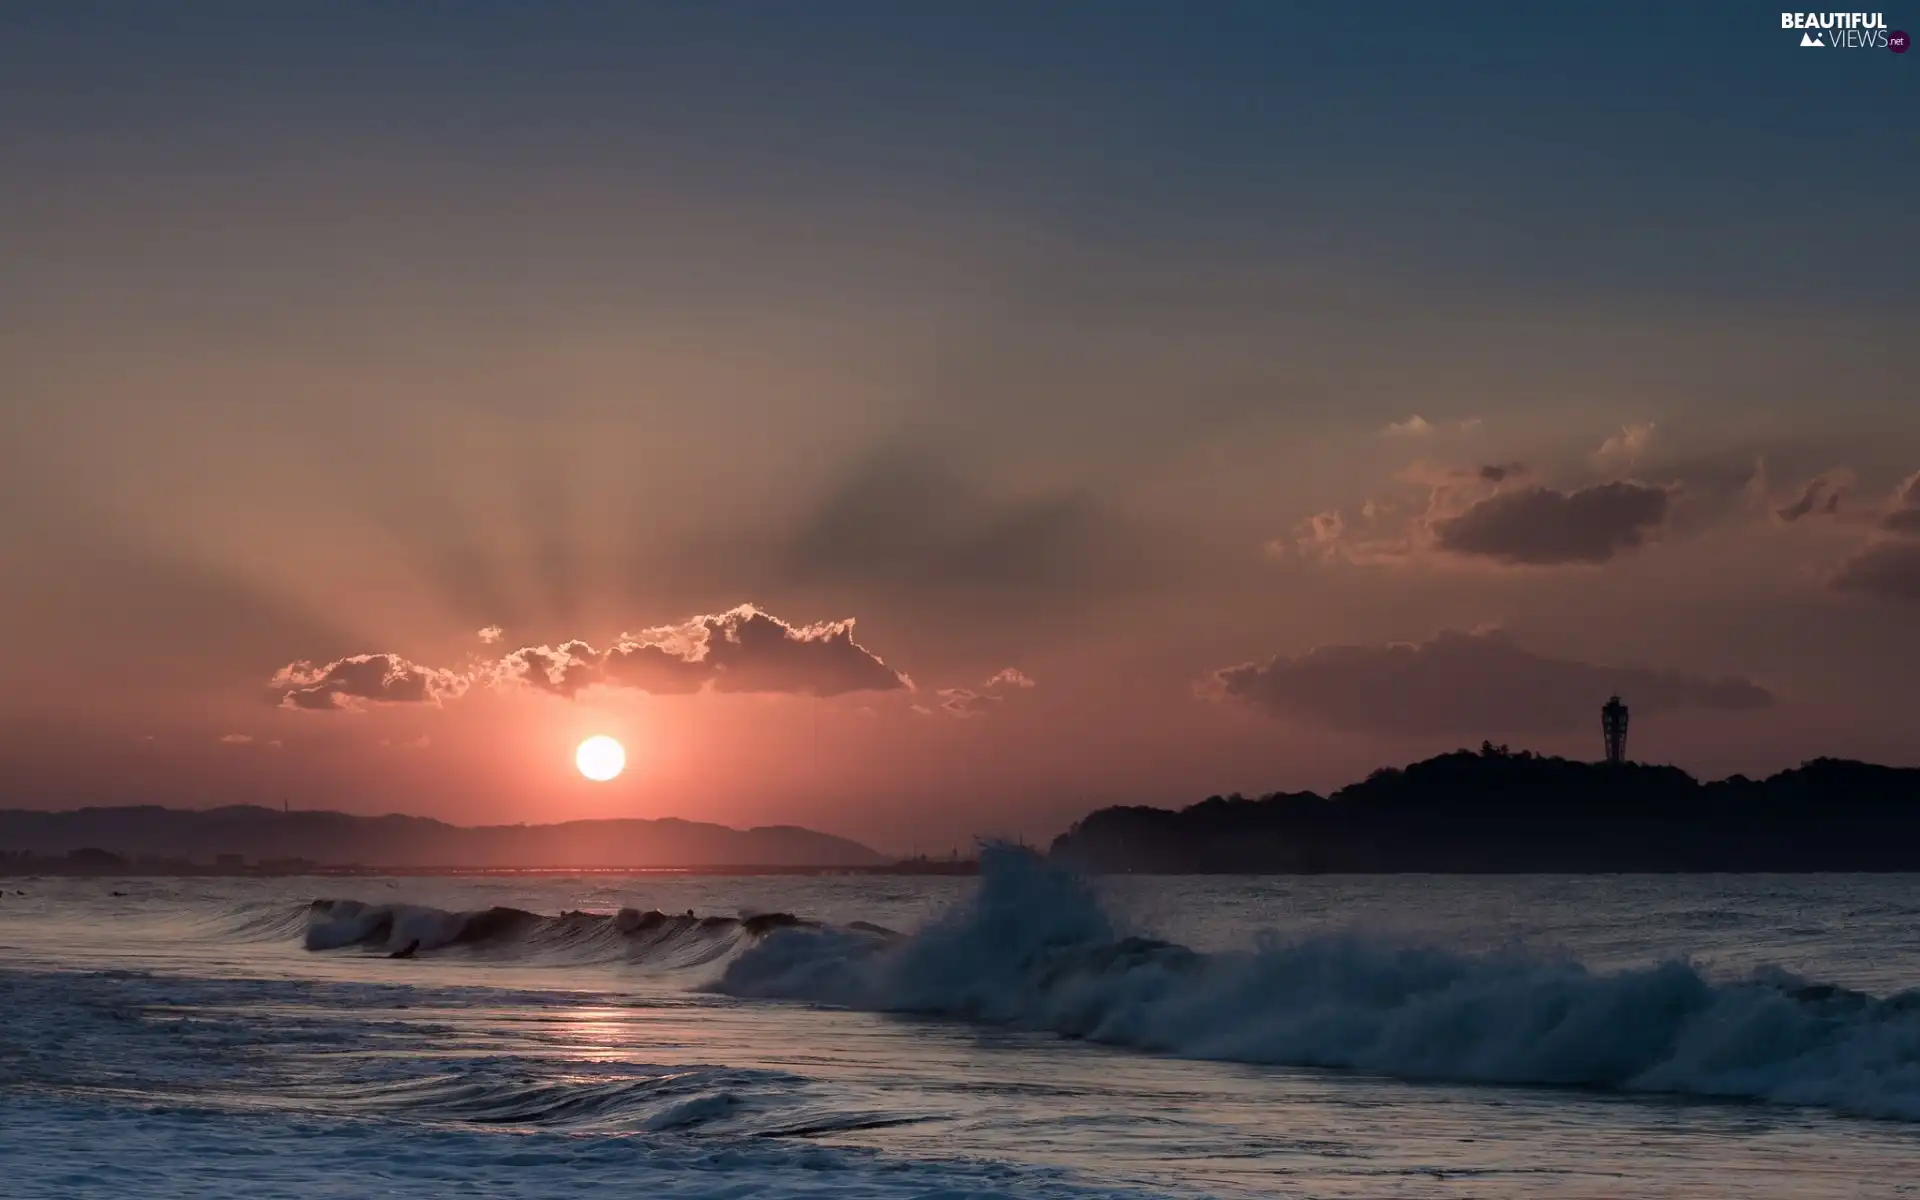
(1260, 460)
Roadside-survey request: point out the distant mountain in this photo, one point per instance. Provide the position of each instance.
(1500, 811)
(399, 841)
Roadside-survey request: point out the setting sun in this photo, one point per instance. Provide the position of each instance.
(600, 758)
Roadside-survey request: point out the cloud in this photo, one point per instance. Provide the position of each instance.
(237, 739)
(352, 683)
(1903, 515)
(1575, 514)
(1417, 426)
(967, 702)
(1380, 533)
(1463, 684)
(1820, 495)
(749, 651)
(1495, 511)
(1627, 445)
(1887, 570)
(564, 670)
(1319, 536)
(1539, 526)
(491, 634)
(742, 650)
(1885, 567)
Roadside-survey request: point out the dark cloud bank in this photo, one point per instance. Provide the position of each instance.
(1463, 684)
(1540, 526)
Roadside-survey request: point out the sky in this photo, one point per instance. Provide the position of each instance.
(923, 421)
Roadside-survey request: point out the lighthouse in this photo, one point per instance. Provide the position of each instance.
(1613, 726)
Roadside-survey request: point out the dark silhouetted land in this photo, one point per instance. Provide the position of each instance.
(1498, 811)
(262, 840)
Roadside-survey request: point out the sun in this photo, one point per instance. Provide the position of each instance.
(600, 758)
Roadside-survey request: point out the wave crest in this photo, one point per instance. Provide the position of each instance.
(1034, 948)
(631, 935)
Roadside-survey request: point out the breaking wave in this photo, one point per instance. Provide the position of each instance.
(1034, 948)
(669, 939)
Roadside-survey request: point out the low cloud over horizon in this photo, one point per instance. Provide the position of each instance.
(1462, 683)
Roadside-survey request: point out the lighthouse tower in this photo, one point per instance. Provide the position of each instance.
(1613, 725)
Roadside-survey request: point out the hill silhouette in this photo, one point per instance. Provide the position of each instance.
(418, 842)
(1501, 811)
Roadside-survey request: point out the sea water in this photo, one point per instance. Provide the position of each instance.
(1026, 1033)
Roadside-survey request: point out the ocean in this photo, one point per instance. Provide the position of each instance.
(1023, 1034)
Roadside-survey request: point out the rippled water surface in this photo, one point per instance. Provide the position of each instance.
(1024, 1034)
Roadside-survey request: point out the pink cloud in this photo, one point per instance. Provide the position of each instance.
(964, 702)
(352, 683)
(741, 650)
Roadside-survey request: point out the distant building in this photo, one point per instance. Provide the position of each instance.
(1613, 727)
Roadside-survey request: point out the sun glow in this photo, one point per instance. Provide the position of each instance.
(600, 758)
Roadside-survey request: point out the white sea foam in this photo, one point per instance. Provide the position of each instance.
(1035, 948)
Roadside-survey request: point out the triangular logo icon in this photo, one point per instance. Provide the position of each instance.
(1808, 39)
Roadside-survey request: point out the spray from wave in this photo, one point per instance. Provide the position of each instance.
(1034, 948)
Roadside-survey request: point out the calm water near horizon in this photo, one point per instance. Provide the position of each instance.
(1019, 1034)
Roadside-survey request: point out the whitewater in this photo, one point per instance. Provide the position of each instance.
(1026, 1033)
